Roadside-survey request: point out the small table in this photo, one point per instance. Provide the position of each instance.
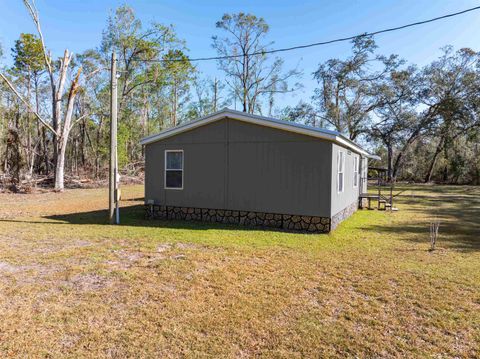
(369, 197)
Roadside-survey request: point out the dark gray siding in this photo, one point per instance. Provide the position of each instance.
(204, 168)
(230, 164)
(277, 171)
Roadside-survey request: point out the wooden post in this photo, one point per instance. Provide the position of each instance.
(378, 188)
(391, 195)
(113, 141)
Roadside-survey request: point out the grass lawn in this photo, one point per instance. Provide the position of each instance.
(72, 286)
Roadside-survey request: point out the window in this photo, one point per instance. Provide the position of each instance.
(355, 171)
(340, 170)
(174, 169)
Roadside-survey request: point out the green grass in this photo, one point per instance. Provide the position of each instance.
(72, 286)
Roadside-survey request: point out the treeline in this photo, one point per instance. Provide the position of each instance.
(424, 122)
(54, 112)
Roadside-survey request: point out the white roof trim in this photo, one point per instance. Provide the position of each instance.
(262, 121)
(374, 157)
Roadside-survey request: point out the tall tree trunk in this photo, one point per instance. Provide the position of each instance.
(45, 151)
(39, 128)
(14, 160)
(428, 176)
(445, 168)
(144, 117)
(97, 150)
(63, 140)
(215, 94)
(174, 106)
(403, 150)
(397, 163)
(83, 131)
(60, 168)
(476, 179)
(244, 82)
(55, 116)
(389, 162)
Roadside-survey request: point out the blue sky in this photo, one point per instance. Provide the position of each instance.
(77, 25)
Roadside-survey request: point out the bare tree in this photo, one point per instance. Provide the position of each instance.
(249, 73)
(209, 98)
(61, 120)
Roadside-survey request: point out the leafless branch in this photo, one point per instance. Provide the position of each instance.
(30, 108)
(34, 14)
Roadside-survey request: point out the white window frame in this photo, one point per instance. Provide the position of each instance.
(171, 169)
(355, 171)
(340, 170)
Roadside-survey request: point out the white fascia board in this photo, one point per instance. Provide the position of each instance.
(257, 120)
(374, 157)
(347, 143)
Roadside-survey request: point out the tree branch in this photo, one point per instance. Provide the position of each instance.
(40, 118)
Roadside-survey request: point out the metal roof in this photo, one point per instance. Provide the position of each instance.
(325, 134)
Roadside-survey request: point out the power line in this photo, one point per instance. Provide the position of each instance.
(342, 39)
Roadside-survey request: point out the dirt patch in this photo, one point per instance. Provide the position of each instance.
(10, 268)
(188, 246)
(53, 247)
(182, 246)
(164, 247)
(174, 249)
(129, 258)
(29, 274)
(69, 341)
(89, 282)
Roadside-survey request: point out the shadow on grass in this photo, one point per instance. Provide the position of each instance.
(449, 190)
(459, 214)
(459, 218)
(134, 216)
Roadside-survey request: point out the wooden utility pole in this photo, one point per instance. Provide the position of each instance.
(113, 180)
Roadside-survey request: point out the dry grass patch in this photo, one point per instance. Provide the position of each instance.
(72, 286)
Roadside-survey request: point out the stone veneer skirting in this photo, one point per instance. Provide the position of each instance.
(343, 214)
(252, 219)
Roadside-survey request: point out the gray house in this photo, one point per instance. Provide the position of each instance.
(233, 167)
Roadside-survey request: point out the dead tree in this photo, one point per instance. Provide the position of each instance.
(61, 121)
